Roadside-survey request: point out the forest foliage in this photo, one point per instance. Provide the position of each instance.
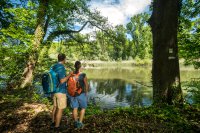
(64, 21)
(62, 34)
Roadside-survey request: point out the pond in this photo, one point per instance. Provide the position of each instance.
(124, 87)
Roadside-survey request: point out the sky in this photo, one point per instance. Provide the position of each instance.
(118, 11)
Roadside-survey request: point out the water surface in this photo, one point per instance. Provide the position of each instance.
(118, 87)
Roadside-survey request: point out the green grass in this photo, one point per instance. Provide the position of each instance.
(160, 118)
(147, 119)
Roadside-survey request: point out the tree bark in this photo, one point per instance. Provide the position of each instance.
(165, 69)
(39, 33)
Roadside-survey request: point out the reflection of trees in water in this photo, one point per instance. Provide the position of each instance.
(140, 96)
(107, 87)
(136, 96)
(121, 91)
(141, 74)
(130, 93)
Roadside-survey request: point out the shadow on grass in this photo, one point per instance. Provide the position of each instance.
(40, 123)
(20, 113)
(13, 113)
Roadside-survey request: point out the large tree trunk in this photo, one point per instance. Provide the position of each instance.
(38, 38)
(165, 71)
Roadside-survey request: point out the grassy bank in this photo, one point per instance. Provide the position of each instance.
(124, 64)
(25, 111)
(102, 64)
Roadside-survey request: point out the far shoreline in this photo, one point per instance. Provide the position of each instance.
(146, 64)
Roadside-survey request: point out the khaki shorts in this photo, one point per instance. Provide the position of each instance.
(60, 100)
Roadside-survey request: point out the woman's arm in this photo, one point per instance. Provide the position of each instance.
(86, 85)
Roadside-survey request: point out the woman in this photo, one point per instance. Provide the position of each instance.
(80, 99)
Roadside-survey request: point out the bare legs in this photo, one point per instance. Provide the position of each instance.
(81, 115)
(53, 114)
(56, 116)
(75, 114)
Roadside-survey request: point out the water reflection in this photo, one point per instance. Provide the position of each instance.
(125, 87)
(112, 88)
(115, 92)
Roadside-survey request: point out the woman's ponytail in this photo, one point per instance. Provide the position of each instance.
(77, 66)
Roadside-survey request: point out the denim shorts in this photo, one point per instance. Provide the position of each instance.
(78, 101)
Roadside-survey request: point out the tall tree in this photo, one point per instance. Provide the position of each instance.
(16, 43)
(141, 35)
(38, 38)
(165, 71)
(120, 46)
(59, 18)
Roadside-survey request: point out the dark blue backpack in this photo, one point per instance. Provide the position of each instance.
(50, 81)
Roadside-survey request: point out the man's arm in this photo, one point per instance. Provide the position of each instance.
(65, 78)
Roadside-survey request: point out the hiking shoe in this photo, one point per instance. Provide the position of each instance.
(52, 125)
(80, 125)
(59, 129)
(56, 129)
(76, 124)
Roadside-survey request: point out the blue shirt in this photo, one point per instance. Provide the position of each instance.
(61, 71)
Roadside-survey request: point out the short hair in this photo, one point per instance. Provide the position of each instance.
(61, 57)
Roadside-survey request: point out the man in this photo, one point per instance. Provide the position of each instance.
(59, 98)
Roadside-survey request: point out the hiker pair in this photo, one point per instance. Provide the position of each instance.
(74, 85)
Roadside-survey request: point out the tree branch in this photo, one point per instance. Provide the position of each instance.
(68, 31)
(77, 40)
(63, 32)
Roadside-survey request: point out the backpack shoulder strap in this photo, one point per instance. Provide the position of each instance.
(77, 74)
(58, 68)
